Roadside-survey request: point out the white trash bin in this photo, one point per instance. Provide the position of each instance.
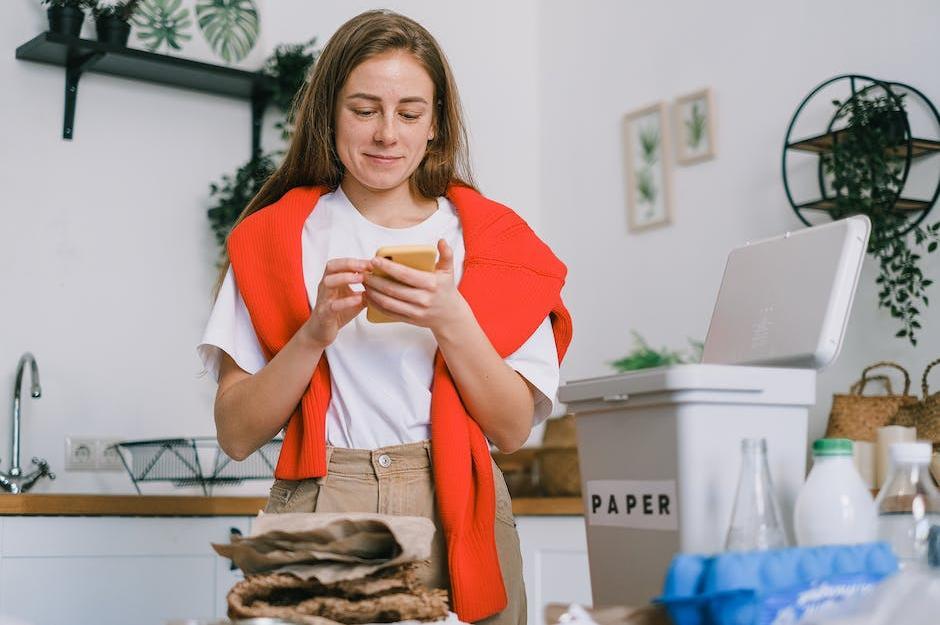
(660, 457)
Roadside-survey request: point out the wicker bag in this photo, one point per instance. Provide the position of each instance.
(857, 416)
(925, 414)
(559, 471)
(559, 474)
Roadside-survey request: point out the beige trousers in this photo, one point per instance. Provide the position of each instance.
(399, 480)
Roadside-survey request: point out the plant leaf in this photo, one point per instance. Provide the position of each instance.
(230, 27)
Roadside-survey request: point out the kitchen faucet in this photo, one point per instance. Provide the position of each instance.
(14, 481)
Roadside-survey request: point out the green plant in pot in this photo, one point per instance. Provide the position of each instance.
(66, 16)
(113, 20)
(642, 356)
(866, 168)
(231, 196)
(289, 66)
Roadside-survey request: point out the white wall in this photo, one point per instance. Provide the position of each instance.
(106, 255)
(491, 47)
(105, 250)
(602, 59)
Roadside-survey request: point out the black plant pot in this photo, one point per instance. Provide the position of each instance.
(65, 20)
(112, 30)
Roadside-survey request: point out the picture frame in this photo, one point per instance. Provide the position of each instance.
(648, 179)
(694, 123)
(231, 34)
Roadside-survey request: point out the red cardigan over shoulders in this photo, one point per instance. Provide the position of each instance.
(511, 281)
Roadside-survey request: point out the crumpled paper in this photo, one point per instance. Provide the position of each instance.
(329, 547)
(392, 595)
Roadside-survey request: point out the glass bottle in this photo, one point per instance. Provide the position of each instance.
(908, 503)
(755, 519)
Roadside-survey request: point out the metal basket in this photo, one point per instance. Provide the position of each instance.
(181, 460)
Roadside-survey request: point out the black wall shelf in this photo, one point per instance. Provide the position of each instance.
(78, 56)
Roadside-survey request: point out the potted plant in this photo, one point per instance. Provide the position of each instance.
(66, 16)
(289, 66)
(113, 20)
(232, 195)
(644, 357)
(866, 168)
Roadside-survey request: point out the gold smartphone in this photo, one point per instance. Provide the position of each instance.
(420, 257)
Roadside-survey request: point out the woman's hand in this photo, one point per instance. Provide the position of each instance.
(429, 299)
(336, 304)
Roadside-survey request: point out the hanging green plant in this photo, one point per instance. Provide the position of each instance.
(230, 197)
(866, 168)
(289, 66)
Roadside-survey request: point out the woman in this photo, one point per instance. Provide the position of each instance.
(379, 158)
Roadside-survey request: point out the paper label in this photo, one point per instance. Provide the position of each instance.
(646, 505)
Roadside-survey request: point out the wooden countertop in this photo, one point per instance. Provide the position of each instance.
(146, 505)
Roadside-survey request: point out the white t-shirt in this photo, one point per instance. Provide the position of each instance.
(380, 372)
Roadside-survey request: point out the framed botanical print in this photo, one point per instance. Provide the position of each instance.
(645, 133)
(694, 116)
(224, 32)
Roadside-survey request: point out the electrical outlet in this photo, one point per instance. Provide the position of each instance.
(80, 453)
(92, 454)
(108, 457)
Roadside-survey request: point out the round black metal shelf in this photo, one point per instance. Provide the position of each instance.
(911, 148)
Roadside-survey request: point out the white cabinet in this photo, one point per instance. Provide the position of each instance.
(147, 570)
(114, 570)
(554, 562)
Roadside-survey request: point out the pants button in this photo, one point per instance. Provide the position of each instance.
(385, 461)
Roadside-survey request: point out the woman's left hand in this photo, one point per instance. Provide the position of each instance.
(429, 299)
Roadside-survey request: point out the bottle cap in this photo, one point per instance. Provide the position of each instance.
(910, 453)
(832, 447)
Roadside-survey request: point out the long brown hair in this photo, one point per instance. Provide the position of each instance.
(311, 158)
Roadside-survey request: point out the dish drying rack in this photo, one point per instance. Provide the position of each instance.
(181, 461)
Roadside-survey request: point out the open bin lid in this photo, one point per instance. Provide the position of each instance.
(785, 301)
(780, 315)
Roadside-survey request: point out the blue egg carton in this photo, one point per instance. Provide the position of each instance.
(770, 587)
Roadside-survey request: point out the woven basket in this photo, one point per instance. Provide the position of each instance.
(925, 414)
(559, 473)
(857, 416)
(519, 471)
(560, 432)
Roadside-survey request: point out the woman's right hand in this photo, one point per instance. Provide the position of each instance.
(336, 304)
